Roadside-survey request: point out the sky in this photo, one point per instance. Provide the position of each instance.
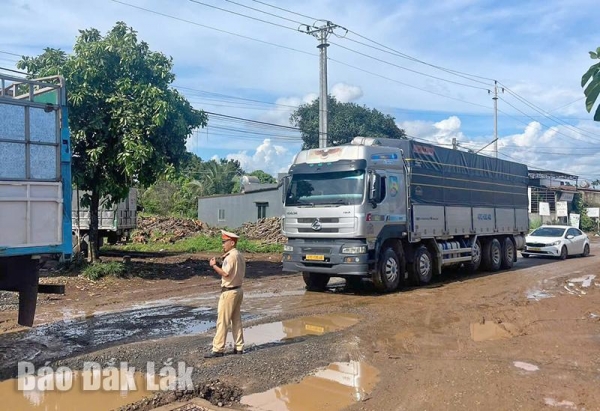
(432, 65)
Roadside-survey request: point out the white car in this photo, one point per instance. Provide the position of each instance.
(556, 241)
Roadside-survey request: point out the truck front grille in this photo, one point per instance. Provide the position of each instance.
(323, 220)
(322, 230)
(316, 250)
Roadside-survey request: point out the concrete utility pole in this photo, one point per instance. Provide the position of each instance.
(495, 98)
(322, 33)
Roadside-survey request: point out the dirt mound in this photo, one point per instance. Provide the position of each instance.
(169, 229)
(163, 229)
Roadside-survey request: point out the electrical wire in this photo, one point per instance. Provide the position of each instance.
(243, 15)
(267, 13)
(213, 28)
(286, 10)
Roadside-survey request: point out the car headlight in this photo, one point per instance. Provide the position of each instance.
(555, 243)
(354, 249)
(288, 248)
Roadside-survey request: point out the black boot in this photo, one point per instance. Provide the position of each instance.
(213, 354)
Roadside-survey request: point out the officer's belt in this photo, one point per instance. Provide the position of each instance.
(223, 289)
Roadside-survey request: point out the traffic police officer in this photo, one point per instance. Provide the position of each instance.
(232, 274)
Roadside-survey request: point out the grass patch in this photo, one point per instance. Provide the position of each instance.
(96, 271)
(200, 243)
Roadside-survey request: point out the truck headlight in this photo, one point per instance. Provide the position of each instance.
(555, 243)
(288, 248)
(354, 249)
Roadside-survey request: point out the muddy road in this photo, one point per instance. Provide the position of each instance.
(523, 339)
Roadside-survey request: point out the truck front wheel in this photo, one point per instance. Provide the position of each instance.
(315, 281)
(391, 267)
(421, 270)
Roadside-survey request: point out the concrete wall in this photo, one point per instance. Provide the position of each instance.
(591, 197)
(237, 209)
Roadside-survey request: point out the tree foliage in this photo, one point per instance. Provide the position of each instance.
(127, 123)
(592, 79)
(345, 121)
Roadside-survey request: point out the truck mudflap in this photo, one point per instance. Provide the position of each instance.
(326, 257)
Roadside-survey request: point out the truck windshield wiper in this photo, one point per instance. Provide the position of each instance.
(304, 203)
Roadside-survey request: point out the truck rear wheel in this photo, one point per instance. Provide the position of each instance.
(475, 262)
(389, 271)
(421, 270)
(508, 253)
(315, 281)
(492, 255)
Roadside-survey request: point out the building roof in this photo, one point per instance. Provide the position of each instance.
(551, 174)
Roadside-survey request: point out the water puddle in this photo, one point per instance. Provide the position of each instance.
(538, 295)
(333, 388)
(286, 330)
(104, 395)
(75, 335)
(526, 366)
(563, 404)
(489, 331)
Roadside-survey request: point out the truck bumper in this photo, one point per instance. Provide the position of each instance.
(325, 257)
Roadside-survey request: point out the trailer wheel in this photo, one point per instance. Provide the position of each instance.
(315, 281)
(508, 253)
(390, 270)
(492, 255)
(421, 270)
(475, 262)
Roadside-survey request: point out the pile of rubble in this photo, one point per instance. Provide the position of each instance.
(266, 229)
(169, 229)
(172, 229)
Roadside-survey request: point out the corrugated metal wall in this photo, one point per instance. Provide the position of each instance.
(234, 210)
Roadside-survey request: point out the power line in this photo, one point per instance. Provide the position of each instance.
(213, 28)
(408, 69)
(13, 71)
(549, 116)
(10, 54)
(406, 56)
(266, 12)
(408, 85)
(253, 121)
(243, 15)
(556, 130)
(286, 10)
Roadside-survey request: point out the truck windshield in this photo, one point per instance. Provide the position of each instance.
(337, 188)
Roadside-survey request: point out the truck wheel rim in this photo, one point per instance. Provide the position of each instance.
(496, 254)
(391, 269)
(510, 251)
(476, 253)
(424, 265)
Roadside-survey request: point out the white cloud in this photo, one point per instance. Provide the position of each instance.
(345, 93)
(268, 157)
(441, 132)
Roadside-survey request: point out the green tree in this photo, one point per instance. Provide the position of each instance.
(592, 79)
(585, 222)
(345, 121)
(127, 123)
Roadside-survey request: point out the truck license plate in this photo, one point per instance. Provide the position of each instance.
(311, 257)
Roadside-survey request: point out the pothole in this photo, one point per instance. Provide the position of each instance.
(334, 388)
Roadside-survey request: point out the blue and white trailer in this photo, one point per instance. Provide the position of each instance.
(35, 184)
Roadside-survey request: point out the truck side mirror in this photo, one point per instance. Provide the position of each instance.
(374, 188)
(285, 182)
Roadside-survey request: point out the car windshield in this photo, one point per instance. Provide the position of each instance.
(548, 232)
(337, 188)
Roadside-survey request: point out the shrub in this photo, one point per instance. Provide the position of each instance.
(97, 270)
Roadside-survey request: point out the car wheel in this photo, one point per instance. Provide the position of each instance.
(563, 253)
(586, 250)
